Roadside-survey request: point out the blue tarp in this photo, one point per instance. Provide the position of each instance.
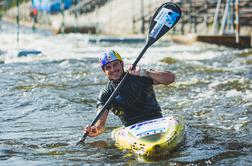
(51, 6)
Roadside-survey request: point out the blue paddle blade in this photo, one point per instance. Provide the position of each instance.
(165, 17)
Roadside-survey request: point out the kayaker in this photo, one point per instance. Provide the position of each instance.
(136, 100)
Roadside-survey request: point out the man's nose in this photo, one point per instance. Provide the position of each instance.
(112, 68)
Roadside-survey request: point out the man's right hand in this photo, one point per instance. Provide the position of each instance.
(92, 131)
(98, 128)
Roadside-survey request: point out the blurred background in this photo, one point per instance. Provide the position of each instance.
(219, 21)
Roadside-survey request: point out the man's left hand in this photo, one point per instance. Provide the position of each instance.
(135, 71)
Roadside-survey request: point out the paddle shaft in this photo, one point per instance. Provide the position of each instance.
(116, 90)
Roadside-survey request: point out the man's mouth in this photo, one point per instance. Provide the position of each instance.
(116, 73)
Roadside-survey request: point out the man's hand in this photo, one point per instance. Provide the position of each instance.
(92, 131)
(99, 127)
(158, 77)
(136, 71)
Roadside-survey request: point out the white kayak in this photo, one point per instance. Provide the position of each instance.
(152, 138)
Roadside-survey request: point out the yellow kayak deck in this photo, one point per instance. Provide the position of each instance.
(152, 138)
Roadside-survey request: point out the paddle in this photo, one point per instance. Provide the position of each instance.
(163, 20)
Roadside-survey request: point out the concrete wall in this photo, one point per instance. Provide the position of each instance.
(116, 16)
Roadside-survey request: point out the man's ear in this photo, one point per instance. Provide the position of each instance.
(122, 63)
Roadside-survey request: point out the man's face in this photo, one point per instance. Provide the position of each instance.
(114, 70)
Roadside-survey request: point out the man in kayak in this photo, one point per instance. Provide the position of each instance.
(136, 100)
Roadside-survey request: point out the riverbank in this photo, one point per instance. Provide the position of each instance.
(102, 20)
(227, 40)
(119, 23)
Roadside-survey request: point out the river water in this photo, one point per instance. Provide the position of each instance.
(46, 99)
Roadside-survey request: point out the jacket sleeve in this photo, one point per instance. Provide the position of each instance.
(103, 97)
